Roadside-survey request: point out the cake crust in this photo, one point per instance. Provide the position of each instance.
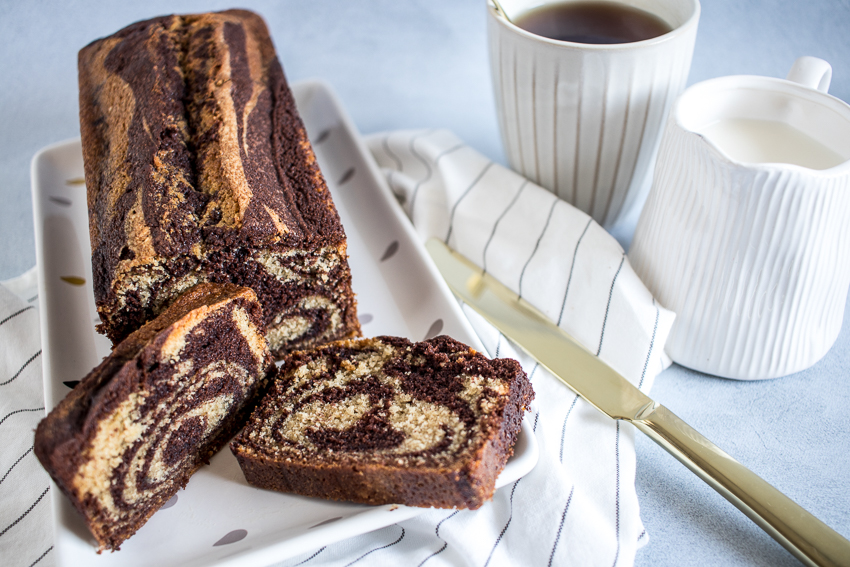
(134, 430)
(387, 421)
(198, 168)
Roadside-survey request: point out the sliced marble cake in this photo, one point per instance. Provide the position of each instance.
(384, 420)
(169, 396)
(198, 168)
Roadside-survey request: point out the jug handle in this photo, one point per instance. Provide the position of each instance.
(811, 72)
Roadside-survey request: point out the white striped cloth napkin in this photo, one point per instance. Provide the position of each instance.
(577, 507)
(26, 532)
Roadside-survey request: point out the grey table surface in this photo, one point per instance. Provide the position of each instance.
(423, 64)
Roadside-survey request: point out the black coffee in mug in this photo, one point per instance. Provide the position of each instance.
(592, 22)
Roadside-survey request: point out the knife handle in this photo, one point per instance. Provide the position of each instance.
(806, 537)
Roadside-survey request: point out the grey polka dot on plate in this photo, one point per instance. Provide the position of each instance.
(328, 521)
(171, 502)
(323, 135)
(232, 537)
(434, 330)
(390, 251)
(365, 318)
(60, 200)
(349, 173)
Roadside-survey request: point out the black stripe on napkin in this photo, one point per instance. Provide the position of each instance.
(564, 427)
(498, 220)
(40, 557)
(651, 343)
(561, 526)
(27, 452)
(10, 414)
(608, 305)
(617, 496)
(533, 370)
(419, 183)
(511, 514)
(504, 529)
(401, 537)
(555, 201)
(22, 516)
(312, 556)
(398, 195)
(424, 162)
(446, 152)
(437, 531)
(465, 193)
(16, 313)
(572, 266)
(21, 369)
(386, 143)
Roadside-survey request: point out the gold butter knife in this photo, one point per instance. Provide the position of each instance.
(809, 539)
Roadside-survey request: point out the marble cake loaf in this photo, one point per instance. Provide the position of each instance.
(198, 168)
(168, 397)
(384, 420)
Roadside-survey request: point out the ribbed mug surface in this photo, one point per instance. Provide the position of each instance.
(584, 121)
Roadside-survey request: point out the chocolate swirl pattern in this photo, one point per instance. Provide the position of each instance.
(198, 169)
(174, 431)
(385, 420)
(134, 431)
(362, 405)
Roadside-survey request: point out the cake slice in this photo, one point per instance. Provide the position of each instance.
(198, 168)
(384, 420)
(133, 431)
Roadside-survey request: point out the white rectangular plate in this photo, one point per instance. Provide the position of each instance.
(219, 519)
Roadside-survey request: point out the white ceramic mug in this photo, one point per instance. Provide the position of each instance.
(753, 257)
(582, 120)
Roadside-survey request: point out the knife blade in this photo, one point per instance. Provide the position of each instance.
(801, 533)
